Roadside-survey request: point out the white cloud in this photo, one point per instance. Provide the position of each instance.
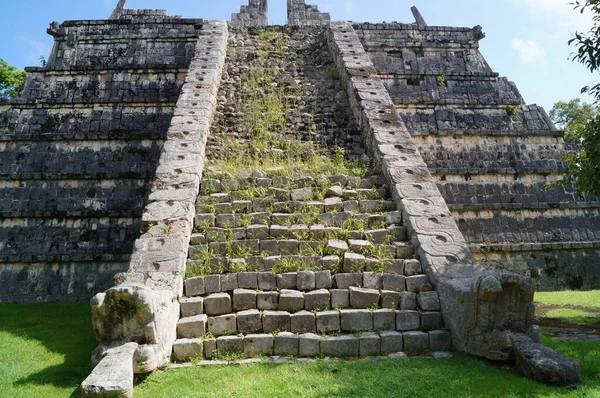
(35, 51)
(561, 12)
(530, 51)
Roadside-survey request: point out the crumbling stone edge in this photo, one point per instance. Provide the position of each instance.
(135, 321)
(488, 310)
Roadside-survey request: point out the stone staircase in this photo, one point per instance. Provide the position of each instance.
(298, 258)
(289, 274)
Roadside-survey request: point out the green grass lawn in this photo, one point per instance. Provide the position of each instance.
(44, 349)
(460, 376)
(589, 299)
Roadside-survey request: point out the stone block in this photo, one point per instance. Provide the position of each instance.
(431, 320)
(267, 281)
(546, 365)
(217, 304)
(248, 280)
(336, 247)
(229, 282)
(271, 248)
(384, 319)
(404, 250)
(391, 342)
(287, 280)
(344, 281)
(258, 344)
(323, 279)
(244, 299)
(356, 320)
(354, 262)
(317, 300)
(302, 194)
(187, 349)
(212, 284)
(394, 282)
(372, 280)
(414, 283)
(191, 306)
(328, 321)
(276, 321)
(331, 262)
(363, 298)
(288, 247)
(249, 321)
(286, 343)
(222, 325)
(192, 327)
(230, 345)
(210, 348)
(407, 320)
(440, 340)
(369, 344)
(309, 345)
(340, 298)
(412, 267)
(428, 301)
(305, 280)
(291, 300)
(393, 266)
(340, 346)
(303, 322)
(415, 342)
(267, 300)
(194, 286)
(389, 299)
(408, 301)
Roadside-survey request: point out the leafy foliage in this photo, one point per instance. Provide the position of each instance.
(11, 80)
(581, 123)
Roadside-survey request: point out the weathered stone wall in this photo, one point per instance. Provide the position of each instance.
(79, 148)
(254, 15)
(492, 156)
(466, 289)
(302, 14)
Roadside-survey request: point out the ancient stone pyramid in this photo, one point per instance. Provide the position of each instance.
(286, 183)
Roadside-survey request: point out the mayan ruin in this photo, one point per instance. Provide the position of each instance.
(321, 188)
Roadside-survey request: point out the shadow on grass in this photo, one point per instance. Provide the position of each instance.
(460, 376)
(64, 331)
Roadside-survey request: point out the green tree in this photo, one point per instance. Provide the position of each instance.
(11, 80)
(581, 122)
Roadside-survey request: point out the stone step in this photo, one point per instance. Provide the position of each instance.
(315, 222)
(271, 195)
(333, 205)
(306, 290)
(286, 178)
(244, 248)
(313, 345)
(322, 322)
(315, 234)
(242, 256)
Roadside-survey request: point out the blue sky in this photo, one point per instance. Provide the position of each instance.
(526, 39)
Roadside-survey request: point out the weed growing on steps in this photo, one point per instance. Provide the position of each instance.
(267, 137)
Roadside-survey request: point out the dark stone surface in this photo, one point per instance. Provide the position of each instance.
(546, 365)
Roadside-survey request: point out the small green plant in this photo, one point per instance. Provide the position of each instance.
(513, 110)
(289, 264)
(208, 208)
(373, 307)
(333, 74)
(441, 80)
(339, 157)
